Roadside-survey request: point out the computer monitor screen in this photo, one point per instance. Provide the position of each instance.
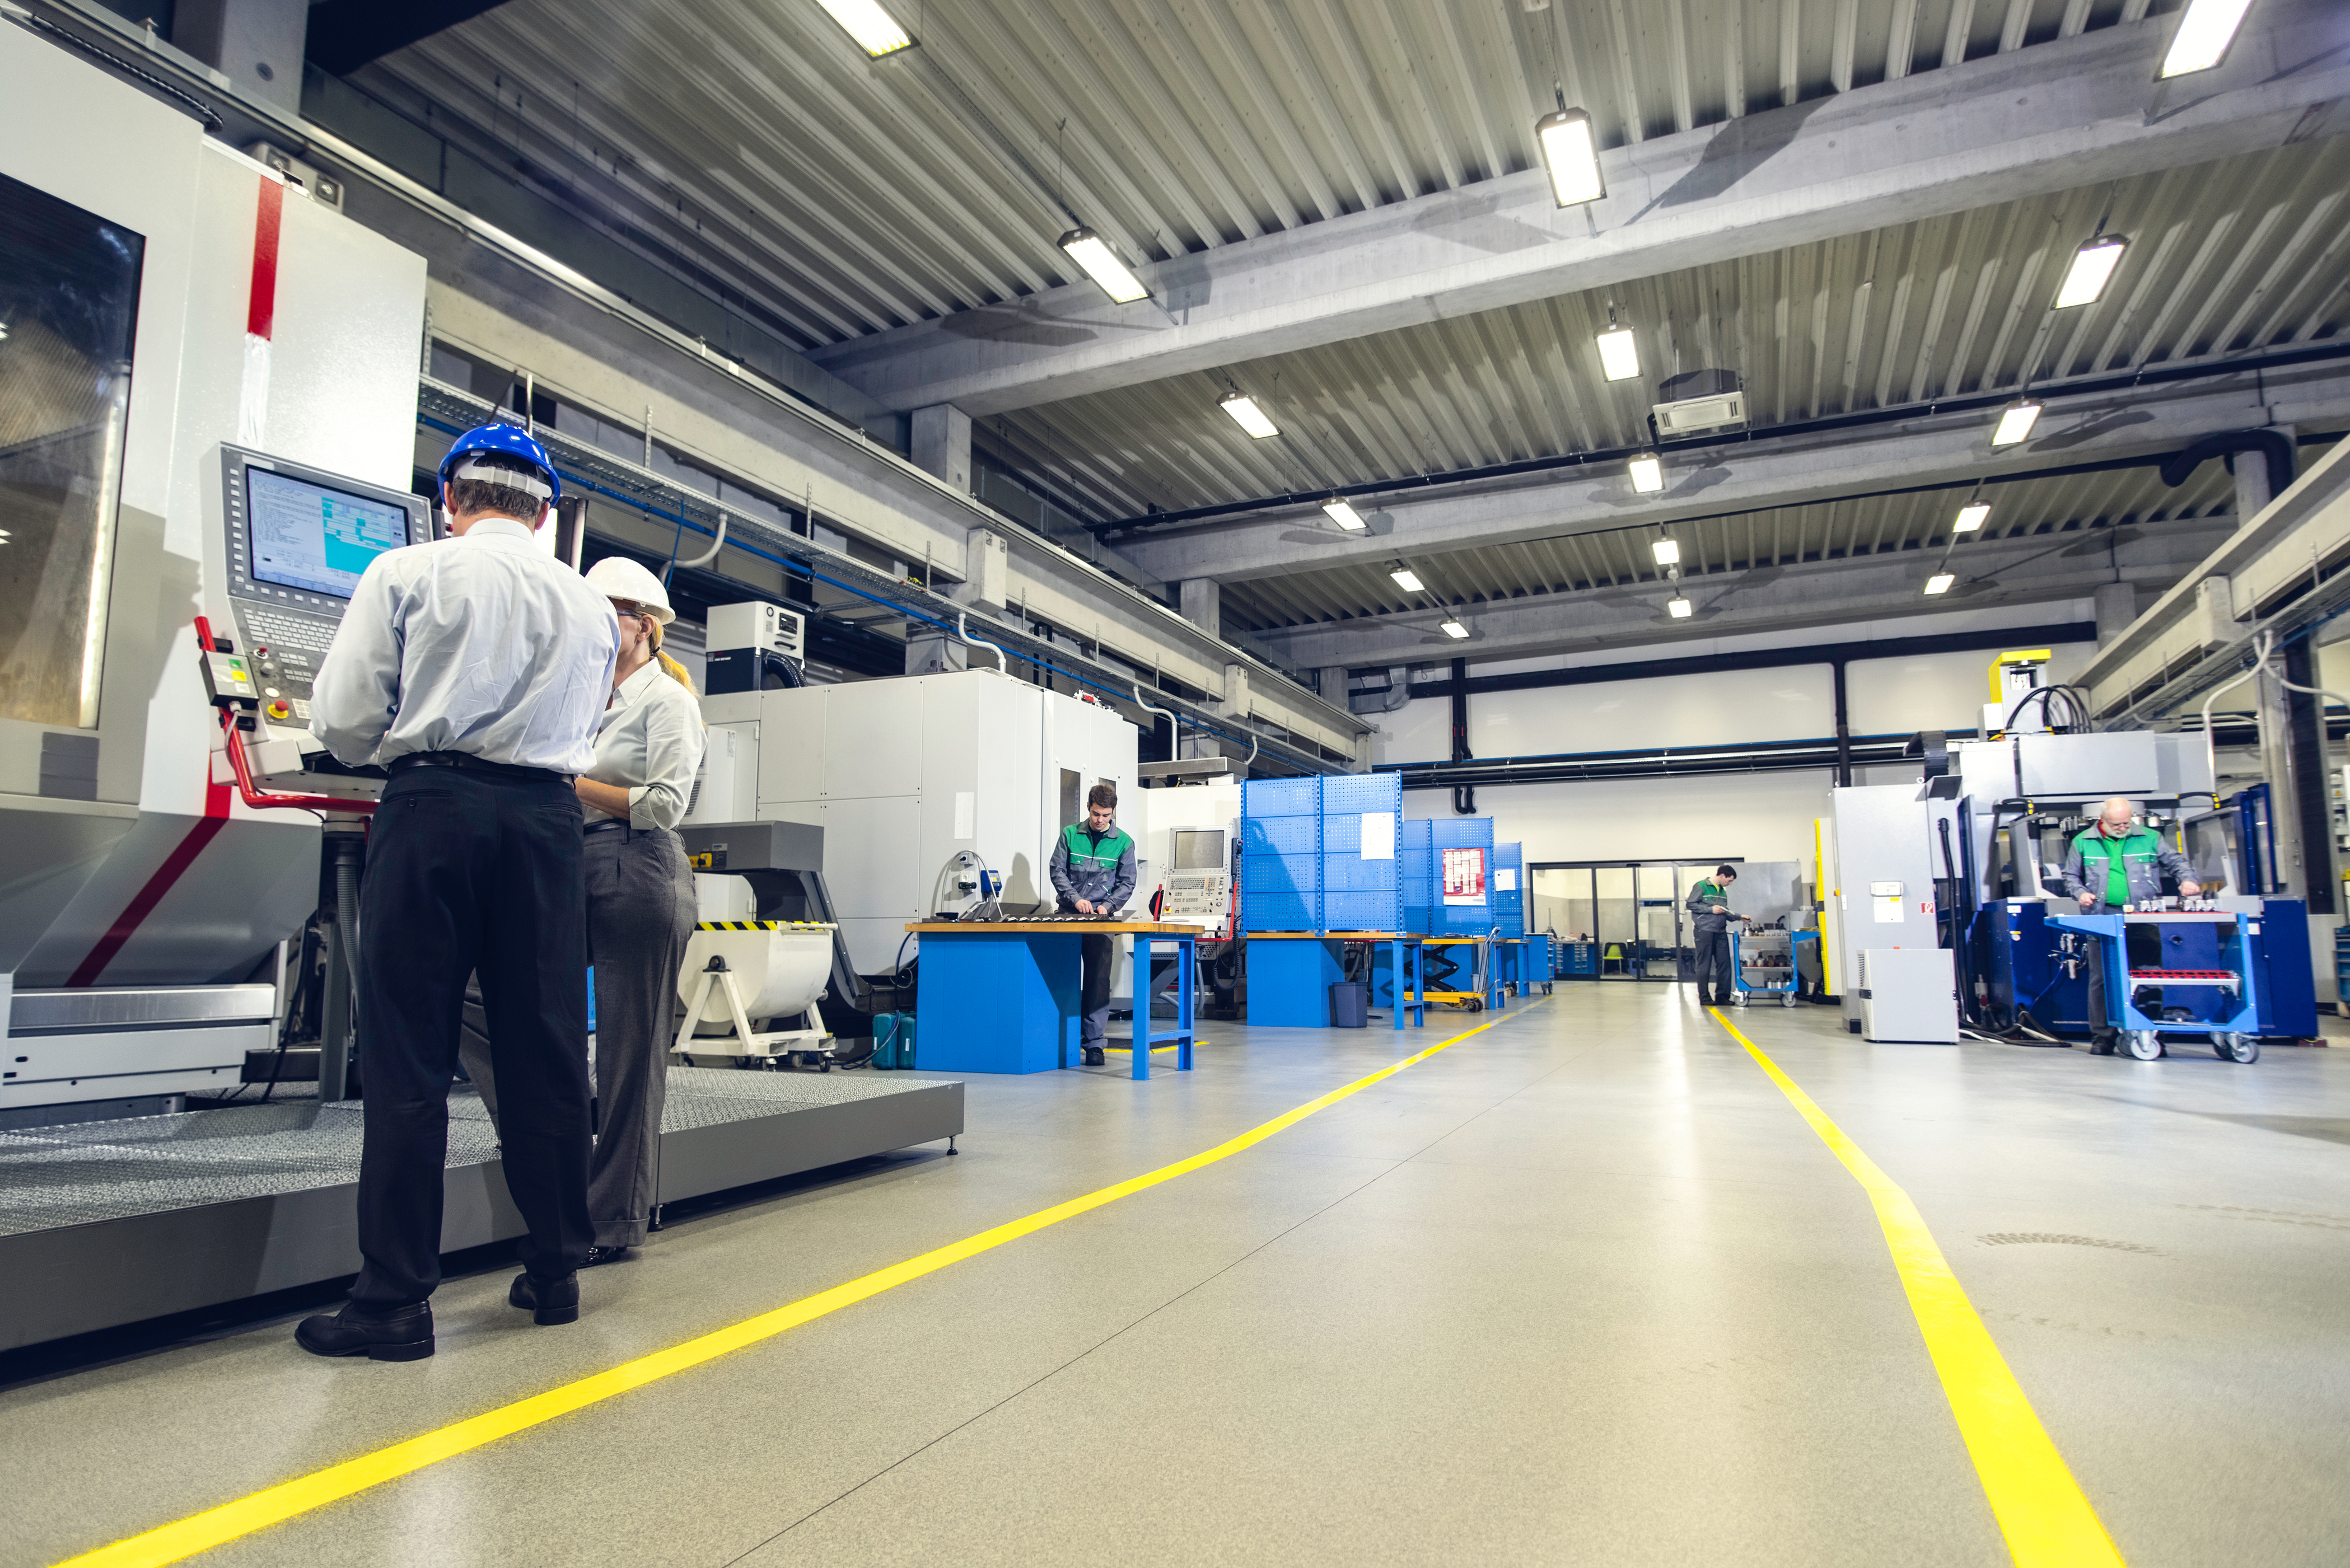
(309, 536)
(1200, 850)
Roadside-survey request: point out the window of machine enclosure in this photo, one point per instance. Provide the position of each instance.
(68, 304)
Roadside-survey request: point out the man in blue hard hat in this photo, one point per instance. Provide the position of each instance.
(475, 670)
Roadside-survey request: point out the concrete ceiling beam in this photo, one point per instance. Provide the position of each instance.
(2029, 570)
(1748, 476)
(2058, 116)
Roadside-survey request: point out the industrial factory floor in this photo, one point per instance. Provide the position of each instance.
(1586, 1287)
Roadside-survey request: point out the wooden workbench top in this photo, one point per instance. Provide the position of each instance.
(1328, 935)
(1072, 927)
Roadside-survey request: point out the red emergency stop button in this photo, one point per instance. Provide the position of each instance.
(280, 709)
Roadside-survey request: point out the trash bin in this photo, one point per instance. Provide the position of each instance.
(1350, 1004)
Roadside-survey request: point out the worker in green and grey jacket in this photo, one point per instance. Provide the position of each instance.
(2112, 863)
(1093, 873)
(1709, 917)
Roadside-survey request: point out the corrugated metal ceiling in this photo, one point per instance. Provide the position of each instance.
(2082, 512)
(840, 196)
(2248, 253)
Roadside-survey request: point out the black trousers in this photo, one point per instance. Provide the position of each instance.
(465, 872)
(1713, 959)
(1101, 956)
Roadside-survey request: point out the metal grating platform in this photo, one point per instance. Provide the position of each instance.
(110, 1222)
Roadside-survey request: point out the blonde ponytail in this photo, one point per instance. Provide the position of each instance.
(670, 666)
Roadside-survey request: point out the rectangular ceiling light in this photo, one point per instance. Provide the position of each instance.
(1619, 356)
(1571, 155)
(2092, 263)
(1679, 605)
(2016, 422)
(1647, 473)
(1345, 517)
(1091, 252)
(1939, 583)
(2203, 35)
(1453, 628)
(1244, 412)
(1407, 580)
(1971, 517)
(875, 30)
(1667, 551)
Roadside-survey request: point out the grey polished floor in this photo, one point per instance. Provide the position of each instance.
(1583, 1289)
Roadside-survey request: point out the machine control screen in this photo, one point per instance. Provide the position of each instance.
(310, 536)
(1200, 849)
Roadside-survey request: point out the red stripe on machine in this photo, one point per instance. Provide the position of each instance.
(261, 310)
(175, 865)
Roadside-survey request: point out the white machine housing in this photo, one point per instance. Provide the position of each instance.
(1908, 994)
(156, 876)
(1169, 823)
(1877, 890)
(902, 774)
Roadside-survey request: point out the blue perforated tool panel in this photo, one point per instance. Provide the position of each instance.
(1509, 902)
(1360, 894)
(1460, 833)
(1303, 866)
(1281, 855)
(1416, 873)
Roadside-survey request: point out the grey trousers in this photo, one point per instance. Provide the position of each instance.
(640, 915)
(1099, 955)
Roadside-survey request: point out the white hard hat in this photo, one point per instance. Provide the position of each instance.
(618, 577)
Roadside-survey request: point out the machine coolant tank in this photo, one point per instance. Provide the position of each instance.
(779, 967)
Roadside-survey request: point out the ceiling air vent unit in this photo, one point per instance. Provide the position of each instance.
(1699, 400)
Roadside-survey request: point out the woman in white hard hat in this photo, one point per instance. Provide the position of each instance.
(640, 898)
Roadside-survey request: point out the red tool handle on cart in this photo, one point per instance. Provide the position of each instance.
(241, 767)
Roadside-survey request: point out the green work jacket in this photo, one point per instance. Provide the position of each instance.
(1100, 872)
(2143, 858)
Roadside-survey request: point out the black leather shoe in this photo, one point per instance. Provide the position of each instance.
(549, 1302)
(404, 1333)
(1095, 1058)
(607, 1255)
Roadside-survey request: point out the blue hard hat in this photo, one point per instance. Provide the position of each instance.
(499, 452)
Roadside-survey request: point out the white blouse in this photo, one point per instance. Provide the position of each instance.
(651, 743)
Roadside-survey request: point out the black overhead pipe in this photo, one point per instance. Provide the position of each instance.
(2312, 802)
(1464, 797)
(1843, 728)
(2275, 445)
(1768, 658)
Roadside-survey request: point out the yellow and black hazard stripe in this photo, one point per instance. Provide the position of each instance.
(762, 926)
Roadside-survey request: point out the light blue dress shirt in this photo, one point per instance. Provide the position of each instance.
(650, 745)
(483, 643)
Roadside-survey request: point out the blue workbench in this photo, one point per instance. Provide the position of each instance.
(1290, 975)
(1002, 996)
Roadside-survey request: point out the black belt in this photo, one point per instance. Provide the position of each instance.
(605, 825)
(473, 765)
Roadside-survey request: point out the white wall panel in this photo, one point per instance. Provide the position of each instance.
(1934, 690)
(1724, 708)
(1757, 817)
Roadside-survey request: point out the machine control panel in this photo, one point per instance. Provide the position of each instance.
(1200, 886)
(296, 541)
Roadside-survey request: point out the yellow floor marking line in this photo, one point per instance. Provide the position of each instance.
(217, 1526)
(2048, 1522)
